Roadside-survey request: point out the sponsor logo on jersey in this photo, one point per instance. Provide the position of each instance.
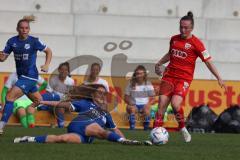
(27, 46)
(18, 57)
(25, 56)
(188, 46)
(178, 53)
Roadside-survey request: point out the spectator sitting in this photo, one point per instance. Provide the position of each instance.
(94, 78)
(56, 90)
(139, 96)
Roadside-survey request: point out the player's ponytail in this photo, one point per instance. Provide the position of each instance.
(28, 19)
(189, 17)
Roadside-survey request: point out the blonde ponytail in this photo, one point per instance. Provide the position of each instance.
(28, 19)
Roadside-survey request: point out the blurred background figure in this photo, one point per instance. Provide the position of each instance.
(94, 78)
(57, 89)
(139, 97)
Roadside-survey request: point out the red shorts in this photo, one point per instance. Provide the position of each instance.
(179, 86)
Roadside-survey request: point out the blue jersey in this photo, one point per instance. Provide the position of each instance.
(90, 112)
(25, 54)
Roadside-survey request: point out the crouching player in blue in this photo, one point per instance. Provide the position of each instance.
(92, 121)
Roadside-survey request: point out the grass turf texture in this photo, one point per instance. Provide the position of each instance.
(203, 146)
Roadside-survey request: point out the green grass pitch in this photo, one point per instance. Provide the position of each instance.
(202, 147)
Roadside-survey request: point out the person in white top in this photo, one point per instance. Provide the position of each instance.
(58, 87)
(22, 106)
(139, 96)
(94, 78)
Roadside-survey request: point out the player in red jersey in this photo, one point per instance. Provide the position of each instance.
(184, 49)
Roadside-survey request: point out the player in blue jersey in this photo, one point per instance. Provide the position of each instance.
(25, 48)
(91, 122)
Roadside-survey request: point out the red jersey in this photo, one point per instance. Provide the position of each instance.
(183, 55)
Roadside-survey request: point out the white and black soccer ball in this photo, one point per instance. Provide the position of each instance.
(159, 136)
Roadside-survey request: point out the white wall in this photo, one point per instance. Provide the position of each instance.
(83, 27)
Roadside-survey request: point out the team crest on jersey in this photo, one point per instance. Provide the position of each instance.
(187, 46)
(25, 56)
(14, 45)
(27, 46)
(23, 86)
(185, 85)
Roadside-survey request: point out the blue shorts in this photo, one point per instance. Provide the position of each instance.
(140, 107)
(79, 127)
(27, 85)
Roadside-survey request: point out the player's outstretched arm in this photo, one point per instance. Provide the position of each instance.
(64, 104)
(48, 52)
(214, 71)
(3, 56)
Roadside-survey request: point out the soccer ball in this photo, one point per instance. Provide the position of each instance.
(159, 136)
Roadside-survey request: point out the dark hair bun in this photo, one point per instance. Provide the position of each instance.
(190, 14)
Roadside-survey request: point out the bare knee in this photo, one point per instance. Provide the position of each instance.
(63, 139)
(36, 102)
(176, 102)
(176, 105)
(11, 97)
(146, 111)
(21, 112)
(31, 109)
(131, 109)
(13, 94)
(35, 99)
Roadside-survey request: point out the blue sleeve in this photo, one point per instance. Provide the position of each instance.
(8, 48)
(40, 45)
(78, 106)
(109, 123)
